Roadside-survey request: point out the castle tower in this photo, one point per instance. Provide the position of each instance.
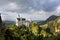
(17, 20)
(0, 23)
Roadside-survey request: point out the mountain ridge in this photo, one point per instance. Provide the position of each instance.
(51, 18)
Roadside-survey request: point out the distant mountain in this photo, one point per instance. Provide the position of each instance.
(51, 18)
(37, 20)
(9, 22)
(52, 25)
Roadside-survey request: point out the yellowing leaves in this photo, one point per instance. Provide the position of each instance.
(58, 21)
(12, 27)
(34, 30)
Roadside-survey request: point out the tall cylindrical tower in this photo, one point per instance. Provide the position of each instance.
(17, 24)
(0, 21)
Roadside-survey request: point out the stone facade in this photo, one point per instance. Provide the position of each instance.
(22, 21)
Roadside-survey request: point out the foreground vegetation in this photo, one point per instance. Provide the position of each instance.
(33, 32)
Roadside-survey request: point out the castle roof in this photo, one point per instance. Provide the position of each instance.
(23, 19)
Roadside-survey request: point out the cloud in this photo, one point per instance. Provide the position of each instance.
(24, 5)
(9, 16)
(39, 5)
(12, 7)
(57, 11)
(46, 5)
(35, 9)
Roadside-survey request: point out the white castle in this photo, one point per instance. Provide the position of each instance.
(22, 21)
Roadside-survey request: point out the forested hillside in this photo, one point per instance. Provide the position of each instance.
(48, 31)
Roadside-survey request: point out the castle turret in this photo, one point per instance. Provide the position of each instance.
(0, 23)
(17, 20)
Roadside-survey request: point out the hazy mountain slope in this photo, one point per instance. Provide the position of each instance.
(54, 25)
(51, 18)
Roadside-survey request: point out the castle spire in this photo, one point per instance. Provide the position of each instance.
(18, 15)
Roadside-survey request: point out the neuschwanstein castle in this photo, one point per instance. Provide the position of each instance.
(22, 21)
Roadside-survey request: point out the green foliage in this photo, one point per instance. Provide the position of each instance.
(34, 32)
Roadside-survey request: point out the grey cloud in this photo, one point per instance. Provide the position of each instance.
(4, 2)
(51, 6)
(46, 5)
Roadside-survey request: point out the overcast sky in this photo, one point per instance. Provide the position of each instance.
(29, 9)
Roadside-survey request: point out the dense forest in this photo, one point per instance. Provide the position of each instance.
(48, 31)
